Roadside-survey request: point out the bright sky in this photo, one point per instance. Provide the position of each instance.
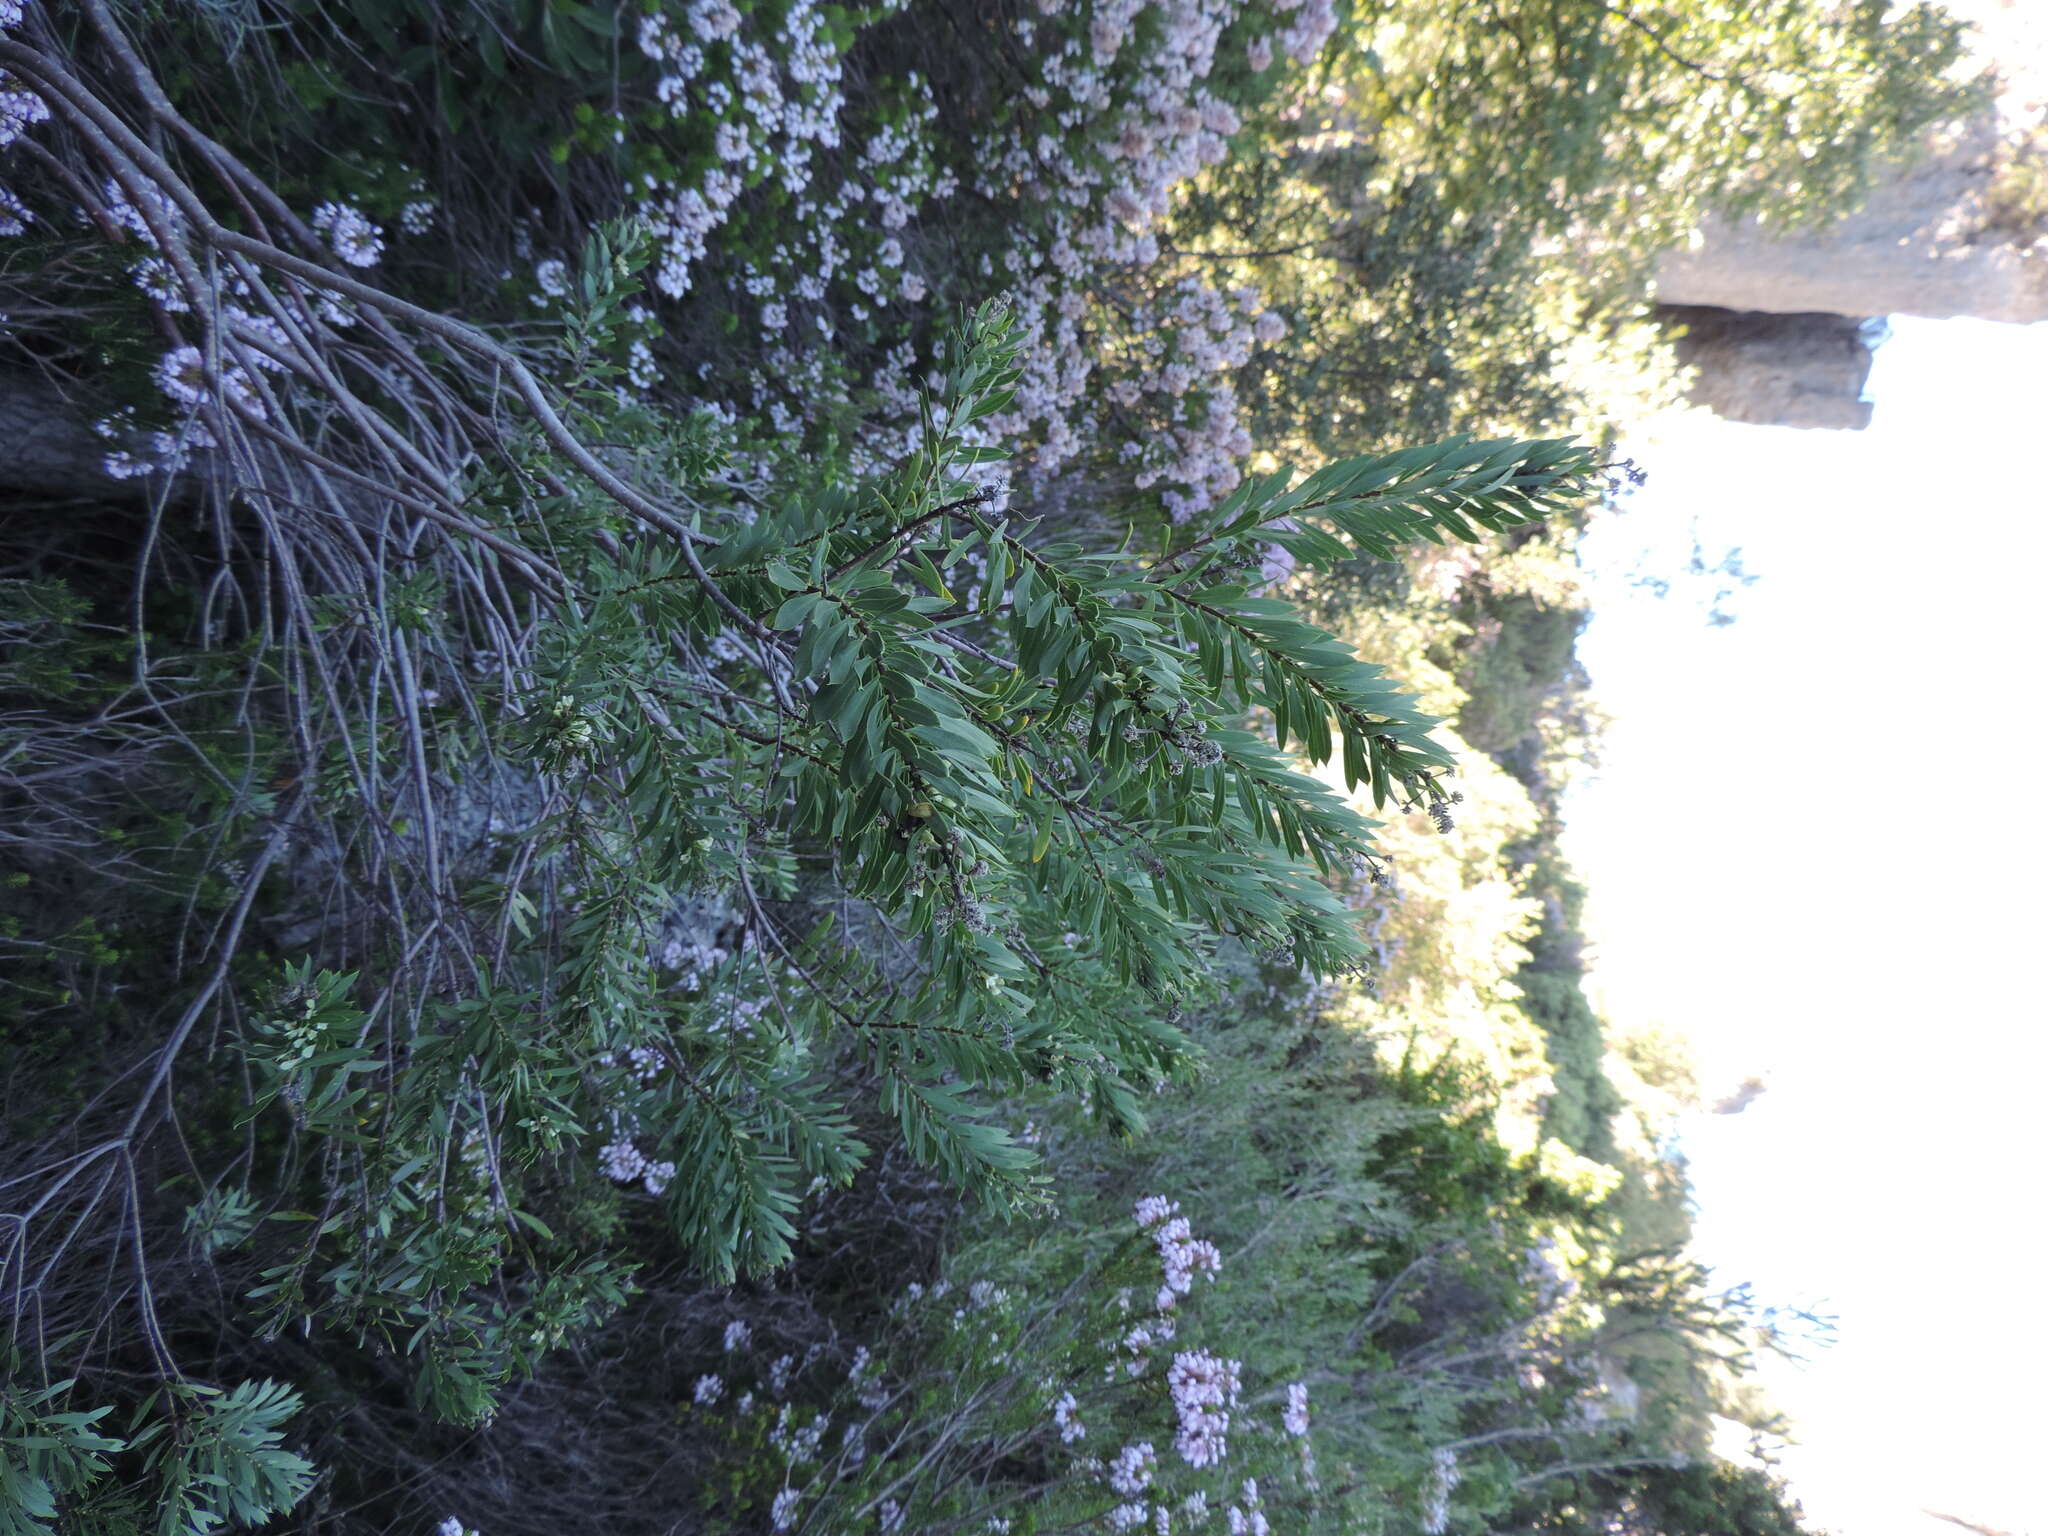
(1818, 844)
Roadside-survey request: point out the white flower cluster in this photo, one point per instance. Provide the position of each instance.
(1436, 1503)
(800, 1444)
(772, 97)
(137, 220)
(1294, 1417)
(1181, 352)
(694, 962)
(1125, 116)
(766, 87)
(644, 1062)
(250, 343)
(20, 109)
(551, 278)
(1248, 1518)
(148, 453)
(1276, 564)
(1314, 21)
(182, 376)
(453, 1526)
(1066, 1418)
(1139, 1341)
(1204, 1389)
(865, 1376)
(349, 234)
(782, 1513)
(1130, 1473)
(1153, 1209)
(737, 1333)
(156, 278)
(624, 1163)
(1149, 108)
(1182, 1255)
(709, 1389)
(641, 370)
(266, 343)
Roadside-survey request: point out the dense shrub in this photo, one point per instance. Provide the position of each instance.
(593, 714)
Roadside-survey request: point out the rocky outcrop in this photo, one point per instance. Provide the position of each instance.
(1774, 316)
(1797, 370)
(1962, 230)
(1947, 237)
(1980, 1530)
(47, 450)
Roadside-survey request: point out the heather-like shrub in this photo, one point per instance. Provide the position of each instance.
(1365, 1314)
(526, 673)
(609, 685)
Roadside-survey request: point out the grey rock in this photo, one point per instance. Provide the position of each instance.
(1796, 370)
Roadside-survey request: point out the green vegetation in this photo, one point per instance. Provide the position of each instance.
(796, 767)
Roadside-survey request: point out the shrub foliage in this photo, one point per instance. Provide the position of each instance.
(668, 616)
